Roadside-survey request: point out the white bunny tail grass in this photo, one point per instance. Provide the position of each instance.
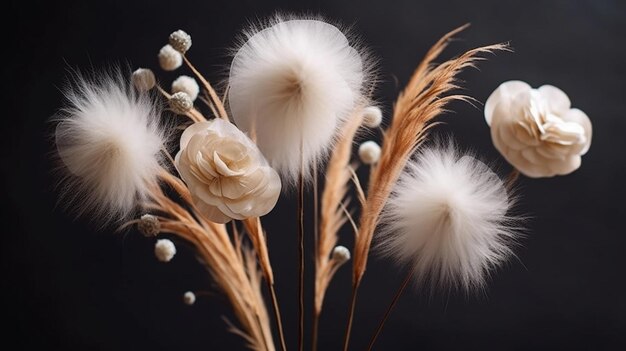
(109, 142)
(449, 215)
(294, 81)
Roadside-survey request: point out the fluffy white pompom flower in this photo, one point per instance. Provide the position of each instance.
(372, 116)
(143, 79)
(369, 152)
(186, 85)
(448, 216)
(293, 82)
(189, 298)
(169, 58)
(164, 250)
(109, 139)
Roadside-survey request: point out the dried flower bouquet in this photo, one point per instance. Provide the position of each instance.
(299, 91)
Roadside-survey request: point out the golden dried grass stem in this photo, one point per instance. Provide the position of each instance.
(417, 106)
(231, 265)
(423, 99)
(217, 102)
(332, 215)
(259, 242)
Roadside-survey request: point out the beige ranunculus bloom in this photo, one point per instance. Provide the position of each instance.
(536, 130)
(226, 173)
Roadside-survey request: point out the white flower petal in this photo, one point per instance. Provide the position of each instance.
(557, 101)
(578, 116)
(503, 94)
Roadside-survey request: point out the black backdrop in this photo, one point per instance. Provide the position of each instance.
(67, 285)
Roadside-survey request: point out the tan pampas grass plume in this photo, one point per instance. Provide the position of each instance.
(424, 98)
(232, 266)
(333, 211)
(418, 105)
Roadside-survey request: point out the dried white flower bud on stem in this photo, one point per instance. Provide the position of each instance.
(164, 250)
(149, 225)
(372, 116)
(189, 298)
(186, 85)
(369, 152)
(181, 103)
(180, 41)
(169, 59)
(143, 79)
(341, 255)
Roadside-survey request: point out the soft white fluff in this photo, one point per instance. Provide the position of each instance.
(295, 81)
(109, 139)
(164, 250)
(448, 215)
(187, 85)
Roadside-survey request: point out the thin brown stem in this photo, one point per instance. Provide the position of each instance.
(346, 340)
(212, 94)
(393, 303)
(316, 322)
(301, 253)
(316, 314)
(279, 323)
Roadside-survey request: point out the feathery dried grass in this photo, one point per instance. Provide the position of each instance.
(232, 266)
(257, 237)
(418, 105)
(332, 214)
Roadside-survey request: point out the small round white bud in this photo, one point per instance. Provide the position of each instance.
(341, 254)
(143, 79)
(170, 59)
(372, 116)
(369, 152)
(181, 103)
(164, 250)
(189, 298)
(180, 41)
(187, 85)
(149, 225)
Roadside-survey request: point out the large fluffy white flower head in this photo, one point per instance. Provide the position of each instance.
(293, 82)
(448, 217)
(536, 130)
(109, 140)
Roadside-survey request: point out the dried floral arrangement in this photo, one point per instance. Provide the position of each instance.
(298, 93)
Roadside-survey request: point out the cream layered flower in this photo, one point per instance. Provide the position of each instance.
(225, 172)
(536, 130)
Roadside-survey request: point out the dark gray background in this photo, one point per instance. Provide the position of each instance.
(66, 285)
